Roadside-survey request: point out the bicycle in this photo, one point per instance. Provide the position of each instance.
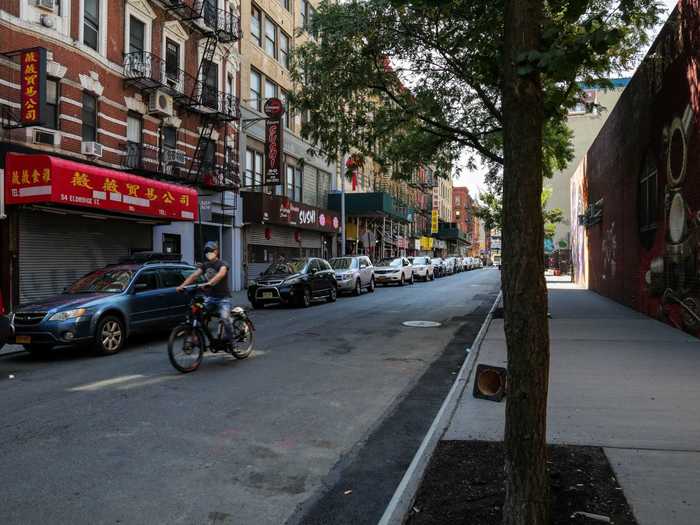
(189, 340)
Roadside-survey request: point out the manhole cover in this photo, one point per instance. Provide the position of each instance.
(421, 324)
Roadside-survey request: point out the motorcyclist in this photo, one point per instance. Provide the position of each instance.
(216, 288)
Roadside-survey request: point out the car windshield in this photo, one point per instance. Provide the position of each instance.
(286, 267)
(343, 263)
(389, 262)
(437, 260)
(420, 260)
(102, 281)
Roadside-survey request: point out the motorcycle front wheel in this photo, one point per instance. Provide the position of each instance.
(185, 348)
(244, 338)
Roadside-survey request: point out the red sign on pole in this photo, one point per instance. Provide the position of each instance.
(33, 85)
(273, 152)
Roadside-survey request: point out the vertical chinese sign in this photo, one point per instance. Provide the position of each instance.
(33, 86)
(434, 223)
(274, 144)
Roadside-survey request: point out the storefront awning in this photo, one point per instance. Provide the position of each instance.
(45, 179)
(374, 204)
(261, 208)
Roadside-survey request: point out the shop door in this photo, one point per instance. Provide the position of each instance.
(57, 249)
(203, 233)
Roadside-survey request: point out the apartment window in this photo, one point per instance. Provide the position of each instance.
(258, 169)
(271, 89)
(287, 119)
(284, 50)
(287, 4)
(270, 38)
(133, 128)
(91, 23)
(211, 84)
(255, 90)
(230, 87)
(303, 8)
(137, 35)
(209, 155)
(290, 183)
(170, 137)
(52, 95)
(297, 184)
(253, 169)
(255, 25)
(172, 59)
(89, 117)
(647, 196)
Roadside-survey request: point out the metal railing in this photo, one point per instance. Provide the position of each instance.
(225, 24)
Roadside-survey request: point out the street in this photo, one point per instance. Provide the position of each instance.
(291, 434)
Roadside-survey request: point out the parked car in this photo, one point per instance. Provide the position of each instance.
(470, 263)
(422, 268)
(449, 266)
(106, 306)
(295, 281)
(394, 270)
(438, 266)
(6, 329)
(459, 264)
(353, 274)
(479, 262)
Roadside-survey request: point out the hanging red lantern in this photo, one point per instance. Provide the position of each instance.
(268, 233)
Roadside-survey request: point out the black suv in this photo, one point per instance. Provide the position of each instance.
(103, 307)
(295, 281)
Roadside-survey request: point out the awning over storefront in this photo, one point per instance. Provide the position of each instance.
(449, 231)
(261, 208)
(374, 204)
(46, 179)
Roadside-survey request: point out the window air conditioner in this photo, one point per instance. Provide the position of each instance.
(39, 136)
(161, 104)
(92, 149)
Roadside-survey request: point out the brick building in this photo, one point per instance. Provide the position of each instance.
(634, 197)
(142, 89)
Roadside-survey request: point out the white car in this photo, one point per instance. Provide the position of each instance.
(397, 270)
(468, 263)
(422, 268)
(450, 266)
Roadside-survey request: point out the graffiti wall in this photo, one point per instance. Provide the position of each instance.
(638, 187)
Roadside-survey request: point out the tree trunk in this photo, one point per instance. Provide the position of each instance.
(524, 288)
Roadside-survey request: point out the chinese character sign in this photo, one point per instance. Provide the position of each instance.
(33, 85)
(273, 152)
(434, 222)
(42, 178)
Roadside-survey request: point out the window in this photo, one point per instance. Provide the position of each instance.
(284, 50)
(258, 169)
(255, 24)
(303, 7)
(255, 90)
(52, 95)
(230, 87)
(89, 117)
(253, 169)
(146, 281)
(270, 89)
(170, 137)
(290, 182)
(133, 128)
(209, 155)
(293, 189)
(172, 277)
(91, 23)
(270, 37)
(648, 196)
(211, 85)
(287, 118)
(172, 59)
(286, 3)
(137, 35)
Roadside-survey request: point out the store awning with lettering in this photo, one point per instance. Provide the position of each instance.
(47, 179)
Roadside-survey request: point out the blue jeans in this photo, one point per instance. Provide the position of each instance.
(221, 307)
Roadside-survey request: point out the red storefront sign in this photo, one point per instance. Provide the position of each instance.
(43, 178)
(32, 85)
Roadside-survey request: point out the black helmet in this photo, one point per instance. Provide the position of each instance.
(211, 246)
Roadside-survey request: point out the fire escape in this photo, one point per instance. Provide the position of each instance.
(199, 94)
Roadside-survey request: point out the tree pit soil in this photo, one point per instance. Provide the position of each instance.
(464, 485)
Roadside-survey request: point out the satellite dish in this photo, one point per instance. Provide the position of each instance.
(677, 219)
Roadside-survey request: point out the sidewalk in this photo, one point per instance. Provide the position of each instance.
(618, 380)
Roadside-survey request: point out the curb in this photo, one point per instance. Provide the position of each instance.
(400, 503)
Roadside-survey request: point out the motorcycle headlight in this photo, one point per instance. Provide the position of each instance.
(68, 314)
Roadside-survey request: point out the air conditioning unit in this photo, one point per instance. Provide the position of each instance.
(39, 136)
(161, 104)
(49, 5)
(173, 156)
(92, 149)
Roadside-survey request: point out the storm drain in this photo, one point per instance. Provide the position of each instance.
(421, 324)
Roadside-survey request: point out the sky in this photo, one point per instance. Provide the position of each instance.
(474, 180)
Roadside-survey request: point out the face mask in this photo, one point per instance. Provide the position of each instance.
(210, 256)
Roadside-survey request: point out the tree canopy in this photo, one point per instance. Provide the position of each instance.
(417, 82)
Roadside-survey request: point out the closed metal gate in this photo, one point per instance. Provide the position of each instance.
(55, 250)
(280, 237)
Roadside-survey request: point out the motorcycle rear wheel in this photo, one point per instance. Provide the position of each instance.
(244, 335)
(185, 348)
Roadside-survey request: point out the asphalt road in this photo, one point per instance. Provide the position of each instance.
(316, 427)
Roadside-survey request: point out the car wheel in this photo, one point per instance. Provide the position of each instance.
(403, 280)
(333, 295)
(305, 299)
(372, 286)
(110, 336)
(413, 279)
(358, 288)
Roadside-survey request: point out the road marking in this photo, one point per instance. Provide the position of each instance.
(421, 324)
(97, 385)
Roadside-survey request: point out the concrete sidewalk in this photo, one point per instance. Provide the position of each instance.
(618, 380)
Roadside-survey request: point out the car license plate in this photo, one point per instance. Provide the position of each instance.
(23, 339)
(268, 295)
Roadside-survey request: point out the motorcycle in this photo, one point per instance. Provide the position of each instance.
(203, 331)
